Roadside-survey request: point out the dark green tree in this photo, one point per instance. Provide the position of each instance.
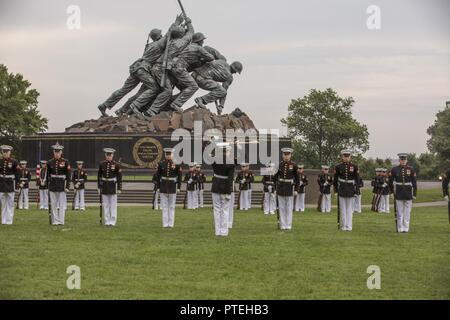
(439, 142)
(19, 114)
(321, 124)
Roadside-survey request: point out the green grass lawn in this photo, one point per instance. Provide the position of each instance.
(139, 259)
(423, 195)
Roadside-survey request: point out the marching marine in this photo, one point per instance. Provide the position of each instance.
(303, 182)
(268, 181)
(8, 176)
(201, 184)
(170, 183)
(58, 184)
(191, 179)
(23, 185)
(41, 183)
(403, 187)
(287, 181)
(383, 185)
(445, 183)
(346, 178)
(222, 188)
(79, 178)
(155, 180)
(109, 184)
(358, 185)
(325, 181)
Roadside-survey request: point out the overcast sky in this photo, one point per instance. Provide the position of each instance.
(399, 75)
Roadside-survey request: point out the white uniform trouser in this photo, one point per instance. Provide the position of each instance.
(346, 204)
(286, 206)
(403, 214)
(221, 207)
(384, 204)
(244, 200)
(23, 199)
(300, 202)
(7, 205)
(58, 200)
(192, 199)
(269, 202)
(109, 202)
(168, 201)
(43, 199)
(231, 211)
(357, 204)
(200, 198)
(79, 200)
(325, 205)
(249, 198)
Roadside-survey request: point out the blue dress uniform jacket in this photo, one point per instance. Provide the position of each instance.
(24, 177)
(445, 183)
(249, 178)
(201, 181)
(346, 179)
(170, 176)
(268, 180)
(222, 181)
(287, 178)
(359, 185)
(403, 182)
(321, 179)
(304, 179)
(79, 176)
(194, 178)
(8, 174)
(109, 178)
(58, 175)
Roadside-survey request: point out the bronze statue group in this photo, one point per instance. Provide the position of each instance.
(176, 59)
(284, 188)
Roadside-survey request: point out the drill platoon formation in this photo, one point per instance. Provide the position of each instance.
(178, 59)
(284, 188)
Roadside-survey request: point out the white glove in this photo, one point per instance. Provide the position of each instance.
(190, 181)
(98, 191)
(67, 190)
(414, 197)
(269, 188)
(446, 198)
(325, 184)
(119, 191)
(228, 196)
(178, 190)
(295, 193)
(243, 181)
(21, 184)
(384, 185)
(77, 185)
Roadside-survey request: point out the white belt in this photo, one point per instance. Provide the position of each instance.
(10, 176)
(286, 180)
(403, 183)
(109, 179)
(269, 182)
(346, 181)
(220, 177)
(79, 180)
(169, 178)
(61, 176)
(23, 179)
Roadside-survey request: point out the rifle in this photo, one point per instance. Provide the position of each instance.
(75, 194)
(154, 199)
(18, 198)
(49, 201)
(185, 198)
(395, 214)
(448, 211)
(338, 213)
(319, 202)
(101, 206)
(277, 209)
